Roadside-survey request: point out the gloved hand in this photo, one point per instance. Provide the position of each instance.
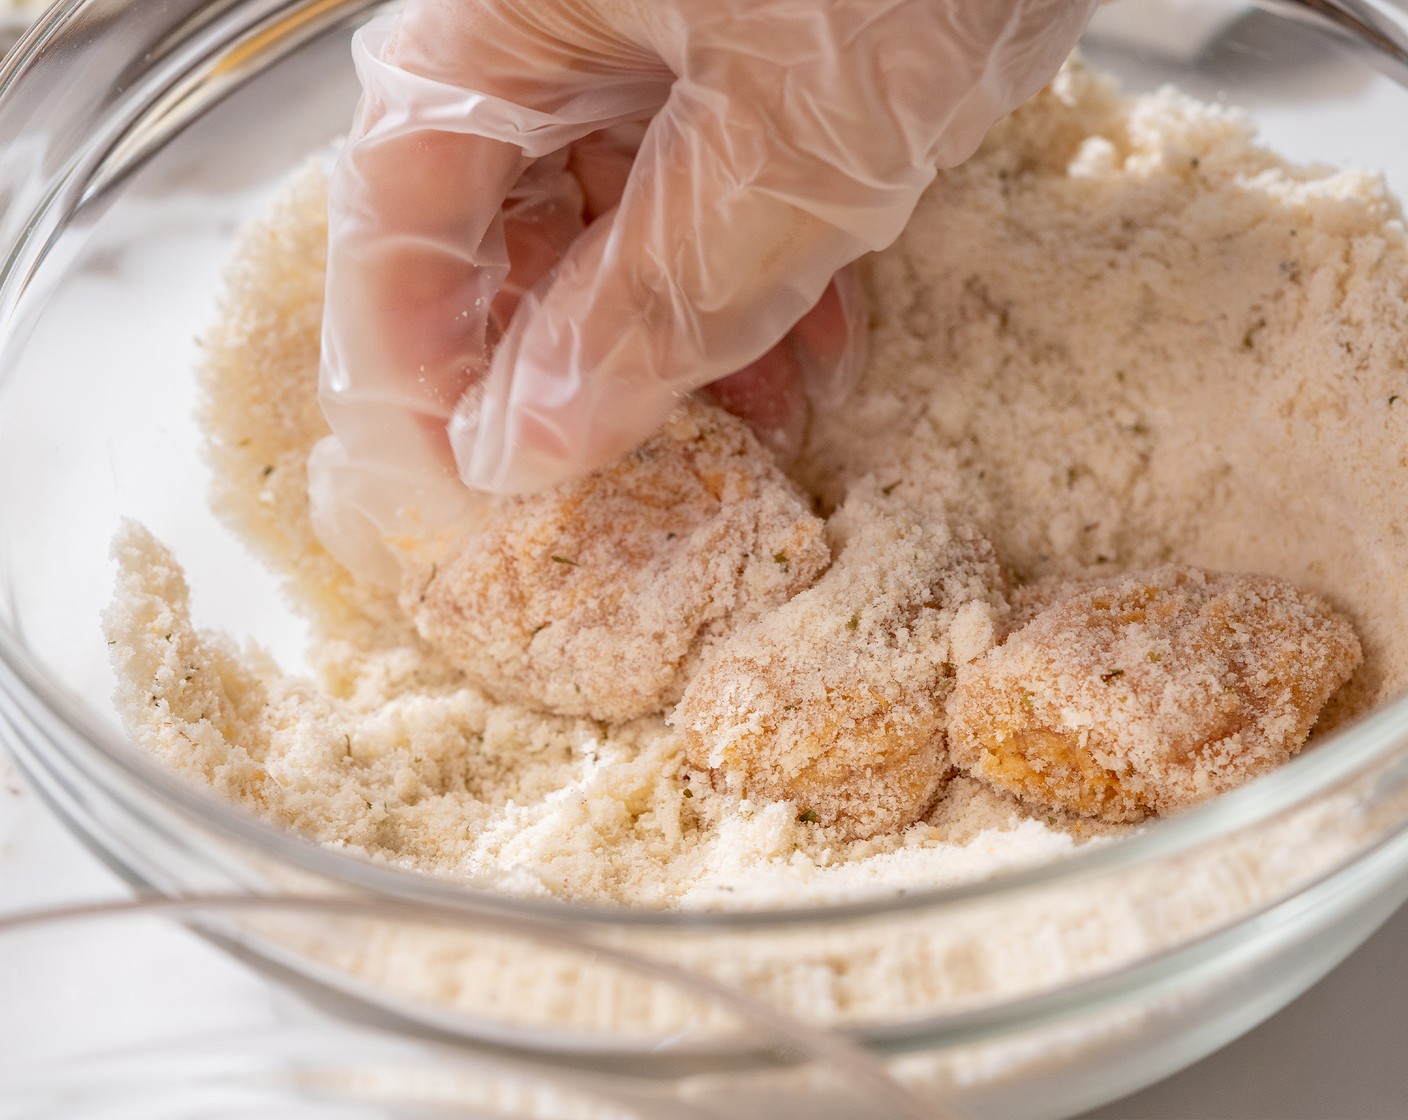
(555, 217)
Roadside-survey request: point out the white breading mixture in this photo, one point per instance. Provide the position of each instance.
(1120, 337)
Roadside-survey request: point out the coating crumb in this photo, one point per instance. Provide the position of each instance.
(597, 598)
(1147, 693)
(835, 701)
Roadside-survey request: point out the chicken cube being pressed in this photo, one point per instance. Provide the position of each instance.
(598, 597)
(835, 701)
(1149, 692)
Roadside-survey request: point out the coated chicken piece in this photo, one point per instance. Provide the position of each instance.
(835, 701)
(598, 597)
(1149, 692)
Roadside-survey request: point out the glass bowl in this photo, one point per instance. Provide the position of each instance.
(119, 196)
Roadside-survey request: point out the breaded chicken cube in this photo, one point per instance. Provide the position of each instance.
(1149, 692)
(597, 598)
(835, 701)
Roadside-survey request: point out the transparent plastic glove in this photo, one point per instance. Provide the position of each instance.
(785, 138)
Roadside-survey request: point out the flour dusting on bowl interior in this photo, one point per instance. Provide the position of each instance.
(1121, 336)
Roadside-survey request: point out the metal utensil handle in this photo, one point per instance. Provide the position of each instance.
(1378, 29)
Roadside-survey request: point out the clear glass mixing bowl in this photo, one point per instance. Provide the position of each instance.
(136, 141)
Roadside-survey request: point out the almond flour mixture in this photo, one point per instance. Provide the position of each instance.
(1121, 336)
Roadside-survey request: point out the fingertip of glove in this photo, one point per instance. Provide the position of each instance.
(830, 341)
(344, 529)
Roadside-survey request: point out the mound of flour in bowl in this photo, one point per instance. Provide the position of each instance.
(1121, 335)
